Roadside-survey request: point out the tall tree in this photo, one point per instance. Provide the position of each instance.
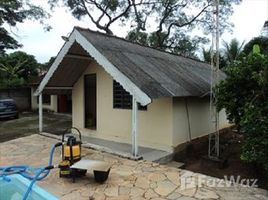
(232, 50)
(45, 66)
(183, 44)
(244, 96)
(13, 12)
(206, 57)
(261, 41)
(10, 75)
(17, 68)
(174, 19)
(102, 13)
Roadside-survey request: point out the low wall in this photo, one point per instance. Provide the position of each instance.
(22, 97)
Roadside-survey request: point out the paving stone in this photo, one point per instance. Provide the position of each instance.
(148, 169)
(138, 198)
(156, 177)
(155, 164)
(164, 188)
(98, 188)
(149, 194)
(122, 197)
(86, 193)
(153, 185)
(98, 196)
(124, 190)
(142, 182)
(186, 198)
(111, 191)
(203, 193)
(136, 192)
(174, 196)
(135, 180)
(73, 195)
(187, 192)
(124, 172)
(174, 177)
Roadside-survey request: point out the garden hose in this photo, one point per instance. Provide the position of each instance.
(26, 171)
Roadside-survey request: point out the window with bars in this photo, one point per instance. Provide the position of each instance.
(122, 99)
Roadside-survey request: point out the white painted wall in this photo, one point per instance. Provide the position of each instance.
(53, 106)
(154, 125)
(163, 126)
(199, 119)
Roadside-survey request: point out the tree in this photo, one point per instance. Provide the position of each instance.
(11, 78)
(174, 24)
(255, 128)
(13, 12)
(206, 57)
(261, 41)
(17, 68)
(45, 66)
(244, 95)
(109, 12)
(232, 50)
(185, 45)
(239, 87)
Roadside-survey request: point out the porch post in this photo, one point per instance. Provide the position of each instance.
(40, 113)
(134, 128)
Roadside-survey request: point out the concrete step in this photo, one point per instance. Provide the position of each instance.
(176, 164)
(158, 156)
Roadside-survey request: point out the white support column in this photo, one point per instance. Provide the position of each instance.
(40, 113)
(134, 128)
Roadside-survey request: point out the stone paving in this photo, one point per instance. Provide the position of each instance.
(135, 180)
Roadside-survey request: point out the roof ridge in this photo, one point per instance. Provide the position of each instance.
(136, 43)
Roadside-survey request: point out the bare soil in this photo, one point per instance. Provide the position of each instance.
(27, 124)
(195, 159)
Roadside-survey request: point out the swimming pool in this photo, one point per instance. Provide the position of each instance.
(15, 189)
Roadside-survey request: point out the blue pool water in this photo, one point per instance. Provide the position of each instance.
(15, 189)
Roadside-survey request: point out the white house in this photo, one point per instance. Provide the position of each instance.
(126, 92)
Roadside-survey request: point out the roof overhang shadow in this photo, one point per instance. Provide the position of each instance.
(69, 70)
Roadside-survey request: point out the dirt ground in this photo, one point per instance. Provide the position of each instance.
(195, 159)
(27, 124)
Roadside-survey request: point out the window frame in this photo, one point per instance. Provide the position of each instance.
(123, 100)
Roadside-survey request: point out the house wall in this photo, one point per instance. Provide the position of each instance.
(199, 119)
(155, 126)
(53, 106)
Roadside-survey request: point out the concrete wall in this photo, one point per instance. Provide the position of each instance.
(154, 125)
(22, 97)
(53, 106)
(199, 119)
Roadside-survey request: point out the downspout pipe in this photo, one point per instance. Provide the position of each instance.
(188, 120)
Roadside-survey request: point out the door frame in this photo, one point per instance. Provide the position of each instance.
(94, 127)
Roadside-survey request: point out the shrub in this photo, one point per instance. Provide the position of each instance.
(244, 95)
(255, 126)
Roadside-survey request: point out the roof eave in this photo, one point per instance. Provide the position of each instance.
(76, 36)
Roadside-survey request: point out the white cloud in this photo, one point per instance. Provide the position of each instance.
(248, 19)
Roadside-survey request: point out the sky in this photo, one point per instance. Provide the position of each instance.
(248, 19)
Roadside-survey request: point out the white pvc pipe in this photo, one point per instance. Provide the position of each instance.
(134, 128)
(40, 113)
